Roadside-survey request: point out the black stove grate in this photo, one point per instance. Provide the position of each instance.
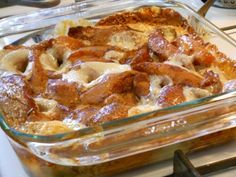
(184, 168)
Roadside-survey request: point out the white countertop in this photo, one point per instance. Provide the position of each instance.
(10, 165)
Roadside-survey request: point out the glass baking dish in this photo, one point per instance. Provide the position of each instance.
(120, 145)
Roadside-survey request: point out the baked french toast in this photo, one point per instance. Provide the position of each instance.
(126, 64)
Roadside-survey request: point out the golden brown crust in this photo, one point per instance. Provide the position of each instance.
(212, 82)
(171, 95)
(84, 113)
(141, 84)
(178, 74)
(110, 112)
(68, 42)
(160, 46)
(149, 15)
(115, 83)
(128, 99)
(137, 60)
(39, 78)
(65, 93)
(90, 53)
(95, 35)
(225, 64)
(16, 99)
(13, 47)
(140, 56)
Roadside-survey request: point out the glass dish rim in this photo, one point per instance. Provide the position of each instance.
(128, 120)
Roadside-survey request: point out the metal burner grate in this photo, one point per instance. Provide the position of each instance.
(184, 168)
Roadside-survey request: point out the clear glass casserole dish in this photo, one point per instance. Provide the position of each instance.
(120, 145)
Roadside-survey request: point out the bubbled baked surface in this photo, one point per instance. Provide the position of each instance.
(126, 64)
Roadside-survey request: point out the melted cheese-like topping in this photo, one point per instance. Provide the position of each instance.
(181, 60)
(73, 124)
(62, 28)
(11, 60)
(114, 55)
(221, 74)
(192, 93)
(142, 27)
(46, 106)
(91, 73)
(129, 40)
(142, 108)
(59, 52)
(48, 62)
(178, 64)
(3, 53)
(148, 103)
(49, 127)
(16, 62)
(156, 82)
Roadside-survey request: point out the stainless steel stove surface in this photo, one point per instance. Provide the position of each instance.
(10, 165)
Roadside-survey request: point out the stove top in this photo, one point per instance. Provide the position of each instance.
(202, 159)
(182, 166)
